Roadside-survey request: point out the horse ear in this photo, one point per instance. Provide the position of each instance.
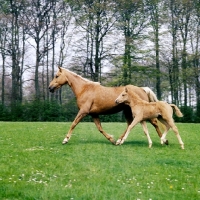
(60, 69)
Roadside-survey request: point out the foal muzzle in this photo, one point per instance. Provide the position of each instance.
(116, 101)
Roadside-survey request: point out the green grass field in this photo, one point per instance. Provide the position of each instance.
(35, 165)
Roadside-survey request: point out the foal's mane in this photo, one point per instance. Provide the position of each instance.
(84, 79)
(133, 95)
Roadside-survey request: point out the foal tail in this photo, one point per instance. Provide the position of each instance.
(177, 110)
(150, 94)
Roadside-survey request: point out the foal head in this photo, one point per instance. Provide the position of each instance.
(58, 81)
(123, 97)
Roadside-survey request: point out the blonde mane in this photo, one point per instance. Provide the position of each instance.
(85, 79)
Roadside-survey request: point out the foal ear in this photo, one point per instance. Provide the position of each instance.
(60, 69)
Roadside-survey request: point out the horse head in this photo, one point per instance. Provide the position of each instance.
(58, 81)
(123, 97)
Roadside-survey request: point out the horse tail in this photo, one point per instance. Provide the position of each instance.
(151, 95)
(177, 110)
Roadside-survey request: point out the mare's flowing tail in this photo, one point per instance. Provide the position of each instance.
(176, 110)
(151, 94)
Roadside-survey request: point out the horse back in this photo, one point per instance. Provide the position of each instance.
(98, 99)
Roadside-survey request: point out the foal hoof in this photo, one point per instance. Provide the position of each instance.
(119, 142)
(167, 142)
(65, 141)
(182, 146)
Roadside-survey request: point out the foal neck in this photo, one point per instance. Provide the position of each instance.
(134, 98)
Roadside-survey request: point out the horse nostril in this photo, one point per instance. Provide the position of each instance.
(51, 89)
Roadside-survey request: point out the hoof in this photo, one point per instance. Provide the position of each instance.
(119, 142)
(167, 142)
(65, 141)
(112, 140)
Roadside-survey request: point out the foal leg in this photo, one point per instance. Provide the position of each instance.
(77, 119)
(163, 138)
(99, 127)
(121, 140)
(154, 122)
(144, 125)
(175, 129)
(129, 118)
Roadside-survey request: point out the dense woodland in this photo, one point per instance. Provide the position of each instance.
(152, 43)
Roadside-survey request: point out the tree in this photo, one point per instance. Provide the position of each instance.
(132, 21)
(36, 19)
(96, 18)
(3, 51)
(16, 51)
(186, 9)
(174, 67)
(195, 57)
(154, 11)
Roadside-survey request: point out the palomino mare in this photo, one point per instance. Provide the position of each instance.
(94, 99)
(143, 110)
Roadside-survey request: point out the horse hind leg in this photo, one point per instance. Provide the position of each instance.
(144, 126)
(99, 127)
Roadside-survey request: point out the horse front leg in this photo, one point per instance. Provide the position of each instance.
(99, 127)
(77, 119)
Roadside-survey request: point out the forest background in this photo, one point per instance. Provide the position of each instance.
(152, 43)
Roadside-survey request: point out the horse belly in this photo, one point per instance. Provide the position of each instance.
(106, 109)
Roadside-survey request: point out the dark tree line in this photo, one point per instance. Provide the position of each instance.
(116, 42)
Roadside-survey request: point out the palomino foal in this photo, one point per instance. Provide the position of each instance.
(143, 110)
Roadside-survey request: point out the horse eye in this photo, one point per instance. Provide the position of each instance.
(56, 76)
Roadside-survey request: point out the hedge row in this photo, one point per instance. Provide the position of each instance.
(47, 111)
(52, 111)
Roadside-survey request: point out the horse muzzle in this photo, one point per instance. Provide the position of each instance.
(51, 89)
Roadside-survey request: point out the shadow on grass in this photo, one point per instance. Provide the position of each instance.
(126, 143)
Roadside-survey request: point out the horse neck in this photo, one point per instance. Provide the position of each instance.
(75, 82)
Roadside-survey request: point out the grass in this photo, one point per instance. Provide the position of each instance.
(35, 165)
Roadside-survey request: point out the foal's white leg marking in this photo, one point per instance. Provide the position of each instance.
(144, 125)
(65, 141)
(162, 139)
(121, 141)
(175, 129)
